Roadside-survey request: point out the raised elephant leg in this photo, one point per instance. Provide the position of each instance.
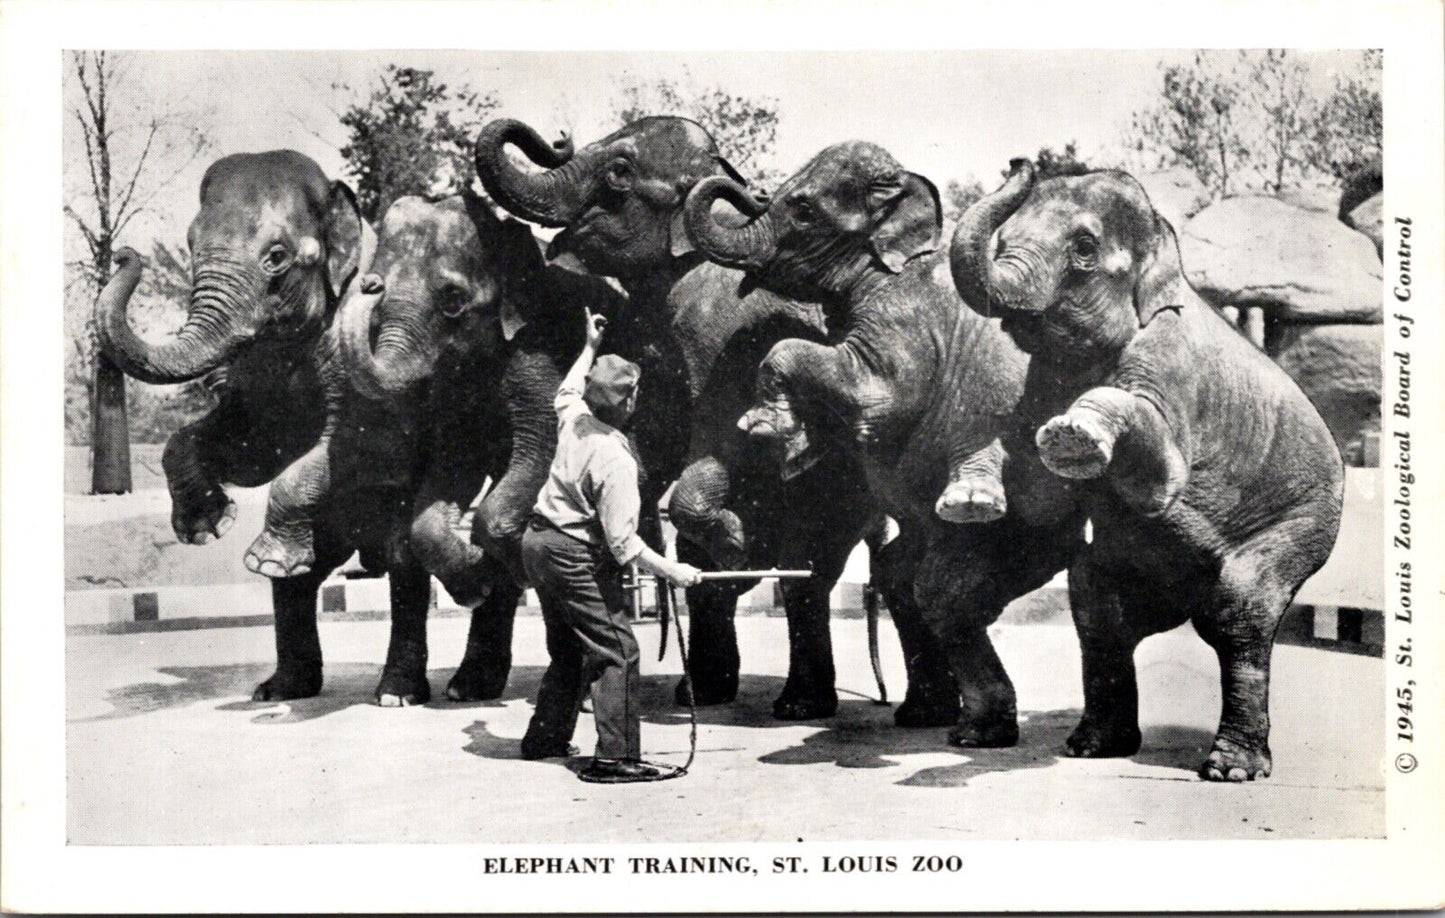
(452, 482)
(932, 698)
(285, 548)
(1111, 620)
(298, 645)
(487, 661)
(403, 679)
(699, 509)
(200, 509)
(975, 492)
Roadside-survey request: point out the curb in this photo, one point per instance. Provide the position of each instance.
(1328, 627)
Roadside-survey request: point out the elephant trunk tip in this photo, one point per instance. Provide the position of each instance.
(200, 345)
(552, 197)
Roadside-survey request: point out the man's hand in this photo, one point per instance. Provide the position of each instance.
(683, 575)
(596, 325)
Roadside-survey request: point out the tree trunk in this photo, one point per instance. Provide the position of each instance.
(110, 432)
(109, 427)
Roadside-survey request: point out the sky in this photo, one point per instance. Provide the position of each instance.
(947, 114)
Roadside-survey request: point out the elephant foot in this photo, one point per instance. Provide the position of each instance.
(276, 557)
(702, 693)
(476, 681)
(804, 708)
(290, 681)
(1075, 446)
(927, 710)
(772, 420)
(1229, 761)
(400, 689)
(992, 734)
(1093, 740)
(205, 522)
(972, 500)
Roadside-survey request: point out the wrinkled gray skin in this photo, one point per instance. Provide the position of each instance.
(464, 334)
(917, 385)
(698, 339)
(272, 248)
(1213, 485)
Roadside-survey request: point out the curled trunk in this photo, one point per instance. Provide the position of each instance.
(974, 272)
(201, 345)
(554, 197)
(751, 245)
(402, 358)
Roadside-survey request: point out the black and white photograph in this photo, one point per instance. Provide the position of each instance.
(738, 469)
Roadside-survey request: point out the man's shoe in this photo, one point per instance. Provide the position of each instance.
(556, 751)
(618, 771)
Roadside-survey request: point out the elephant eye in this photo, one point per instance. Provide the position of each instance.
(619, 174)
(803, 212)
(1086, 249)
(275, 258)
(452, 300)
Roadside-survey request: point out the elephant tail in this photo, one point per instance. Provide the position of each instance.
(877, 535)
(871, 605)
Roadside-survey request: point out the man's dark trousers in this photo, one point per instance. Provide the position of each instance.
(589, 640)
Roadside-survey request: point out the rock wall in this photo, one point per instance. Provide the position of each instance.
(1306, 286)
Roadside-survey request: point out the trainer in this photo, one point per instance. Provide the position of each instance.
(583, 531)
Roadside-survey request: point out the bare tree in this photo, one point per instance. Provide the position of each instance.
(129, 157)
(1255, 121)
(745, 128)
(1278, 86)
(1196, 123)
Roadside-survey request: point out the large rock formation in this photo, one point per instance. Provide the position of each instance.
(1297, 265)
(1177, 194)
(1369, 218)
(1338, 367)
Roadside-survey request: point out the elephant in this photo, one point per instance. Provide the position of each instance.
(698, 338)
(1213, 485)
(922, 389)
(273, 246)
(472, 333)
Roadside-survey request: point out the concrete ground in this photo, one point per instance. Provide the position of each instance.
(165, 747)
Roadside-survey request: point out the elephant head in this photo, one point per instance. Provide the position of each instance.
(620, 199)
(272, 246)
(850, 211)
(1082, 262)
(449, 283)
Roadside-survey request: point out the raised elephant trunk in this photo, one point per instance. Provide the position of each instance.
(552, 198)
(403, 356)
(201, 345)
(750, 245)
(983, 284)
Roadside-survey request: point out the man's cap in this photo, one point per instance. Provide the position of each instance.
(610, 382)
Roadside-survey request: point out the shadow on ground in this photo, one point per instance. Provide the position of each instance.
(346, 685)
(860, 735)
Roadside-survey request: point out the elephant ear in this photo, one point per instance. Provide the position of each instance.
(515, 254)
(1160, 284)
(909, 219)
(346, 240)
(522, 261)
